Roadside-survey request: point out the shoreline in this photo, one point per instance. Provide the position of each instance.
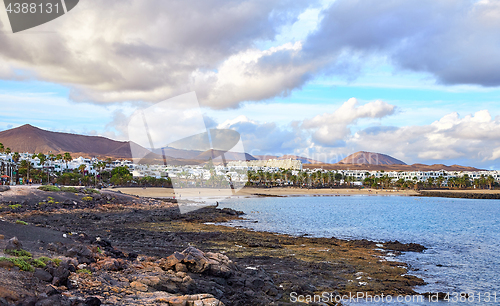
(158, 192)
(154, 228)
(195, 194)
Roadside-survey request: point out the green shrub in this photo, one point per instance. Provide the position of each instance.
(86, 271)
(21, 222)
(14, 206)
(88, 199)
(49, 188)
(18, 253)
(69, 189)
(57, 261)
(21, 262)
(38, 263)
(44, 259)
(92, 190)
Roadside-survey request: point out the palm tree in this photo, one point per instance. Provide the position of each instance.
(82, 168)
(440, 181)
(16, 157)
(490, 180)
(67, 158)
(430, 181)
(7, 151)
(1, 148)
(42, 159)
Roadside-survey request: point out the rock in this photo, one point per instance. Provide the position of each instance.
(110, 264)
(195, 260)
(92, 301)
(61, 275)
(212, 302)
(220, 265)
(139, 286)
(8, 294)
(83, 254)
(181, 267)
(55, 300)
(170, 262)
(178, 301)
(43, 275)
(14, 244)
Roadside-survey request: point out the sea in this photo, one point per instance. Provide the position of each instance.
(462, 236)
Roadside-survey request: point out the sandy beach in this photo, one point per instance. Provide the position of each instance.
(209, 192)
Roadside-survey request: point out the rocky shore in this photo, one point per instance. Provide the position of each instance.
(107, 248)
(460, 194)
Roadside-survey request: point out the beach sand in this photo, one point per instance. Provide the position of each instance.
(209, 192)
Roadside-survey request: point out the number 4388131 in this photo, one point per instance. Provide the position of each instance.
(32, 8)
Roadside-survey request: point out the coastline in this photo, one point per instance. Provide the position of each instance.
(194, 193)
(157, 192)
(154, 228)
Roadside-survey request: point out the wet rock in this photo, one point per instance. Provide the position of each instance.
(404, 247)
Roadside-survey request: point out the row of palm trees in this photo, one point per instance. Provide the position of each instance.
(320, 179)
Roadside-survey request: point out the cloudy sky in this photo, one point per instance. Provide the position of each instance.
(418, 80)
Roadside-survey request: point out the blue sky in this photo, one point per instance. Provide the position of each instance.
(424, 81)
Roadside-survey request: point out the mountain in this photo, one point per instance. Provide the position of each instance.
(227, 155)
(304, 160)
(395, 167)
(28, 138)
(370, 158)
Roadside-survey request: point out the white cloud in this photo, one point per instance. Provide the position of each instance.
(135, 50)
(472, 137)
(330, 128)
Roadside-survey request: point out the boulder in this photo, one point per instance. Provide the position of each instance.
(195, 260)
(170, 262)
(14, 244)
(43, 275)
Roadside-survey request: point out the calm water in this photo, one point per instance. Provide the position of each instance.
(463, 236)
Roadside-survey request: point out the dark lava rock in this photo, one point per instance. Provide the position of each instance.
(43, 275)
(404, 247)
(82, 253)
(92, 301)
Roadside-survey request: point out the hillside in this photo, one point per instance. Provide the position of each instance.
(395, 167)
(304, 160)
(370, 158)
(28, 138)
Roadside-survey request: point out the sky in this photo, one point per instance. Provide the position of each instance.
(417, 80)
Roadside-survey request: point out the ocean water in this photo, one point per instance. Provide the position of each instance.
(462, 235)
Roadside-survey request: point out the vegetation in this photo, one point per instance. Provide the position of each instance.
(26, 262)
(49, 188)
(21, 222)
(69, 189)
(22, 263)
(18, 253)
(85, 271)
(14, 206)
(331, 179)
